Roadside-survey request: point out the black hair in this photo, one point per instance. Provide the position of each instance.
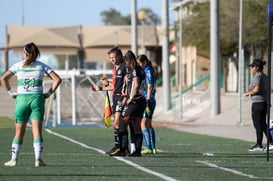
(130, 56)
(32, 52)
(143, 58)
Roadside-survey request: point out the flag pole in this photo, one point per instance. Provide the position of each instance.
(270, 18)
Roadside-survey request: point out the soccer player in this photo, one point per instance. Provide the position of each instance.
(30, 100)
(134, 106)
(146, 122)
(116, 86)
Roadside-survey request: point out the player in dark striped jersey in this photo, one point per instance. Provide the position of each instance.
(116, 86)
(134, 106)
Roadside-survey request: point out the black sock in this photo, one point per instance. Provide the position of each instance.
(116, 137)
(123, 137)
(139, 139)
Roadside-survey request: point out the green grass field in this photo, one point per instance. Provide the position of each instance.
(78, 154)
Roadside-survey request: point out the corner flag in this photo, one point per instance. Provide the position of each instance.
(107, 112)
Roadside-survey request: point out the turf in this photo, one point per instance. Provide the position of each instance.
(180, 157)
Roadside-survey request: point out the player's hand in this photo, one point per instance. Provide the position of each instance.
(147, 109)
(13, 95)
(95, 88)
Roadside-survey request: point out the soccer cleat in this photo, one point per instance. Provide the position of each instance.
(154, 151)
(256, 148)
(39, 163)
(270, 148)
(112, 150)
(118, 152)
(11, 163)
(146, 151)
(135, 154)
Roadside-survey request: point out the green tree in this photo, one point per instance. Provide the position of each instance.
(196, 28)
(114, 17)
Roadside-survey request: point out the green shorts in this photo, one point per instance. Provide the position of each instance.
(29, 106)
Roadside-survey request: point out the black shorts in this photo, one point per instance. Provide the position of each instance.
(135, 108)
(117, 103)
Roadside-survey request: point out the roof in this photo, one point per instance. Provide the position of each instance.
(58, 40)
(95, 40)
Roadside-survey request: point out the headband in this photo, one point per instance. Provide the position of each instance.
(25, 50)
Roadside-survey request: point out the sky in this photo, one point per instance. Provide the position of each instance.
(64, 12)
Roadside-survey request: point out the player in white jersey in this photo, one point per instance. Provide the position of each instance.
(30, 100)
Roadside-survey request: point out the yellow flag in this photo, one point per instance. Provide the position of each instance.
(107, 112)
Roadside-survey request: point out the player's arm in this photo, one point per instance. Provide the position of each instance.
(5, 83)
(56, 82)
(135, 86)
(106, 85)
(5, 80)
(149, 91)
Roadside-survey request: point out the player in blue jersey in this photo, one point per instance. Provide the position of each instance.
(146, 122)
(30, 100)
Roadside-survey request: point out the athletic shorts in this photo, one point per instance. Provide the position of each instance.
(135, 108)
(29, 106)
(117, 103)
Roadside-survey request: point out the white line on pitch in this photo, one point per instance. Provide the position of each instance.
(212, 165)
(162, 176)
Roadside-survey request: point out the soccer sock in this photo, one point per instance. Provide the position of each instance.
(152, 137)
(146, 138)
(38, 148)
(139, 139)
(116, 137)
(132, 133)
(132, 138)
(123, 137)
(15, 148)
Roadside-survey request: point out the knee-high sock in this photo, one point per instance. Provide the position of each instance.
(116, 137)
(38, 148)
(132, 138)
(139, 139)
(123, 143)
(15, 148)
(132, 133)
(152, 137)
(146, 138)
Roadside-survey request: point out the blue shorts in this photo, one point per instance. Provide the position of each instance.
(152, 108)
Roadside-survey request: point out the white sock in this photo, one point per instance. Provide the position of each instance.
(15, 149)
(133, 147)
(38, 150)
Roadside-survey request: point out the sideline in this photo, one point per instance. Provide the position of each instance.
(212, 165)
(162, 176)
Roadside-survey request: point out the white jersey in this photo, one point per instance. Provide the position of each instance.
(30, 78)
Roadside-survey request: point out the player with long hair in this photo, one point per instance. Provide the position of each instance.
(134, 106)
(30, 100)
(150, 90)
